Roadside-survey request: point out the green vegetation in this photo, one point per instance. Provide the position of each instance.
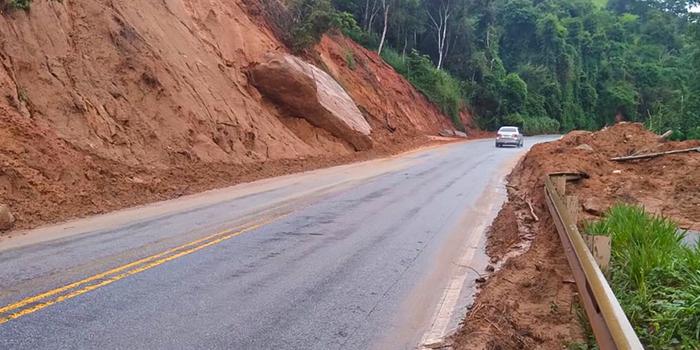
(15, 4)
(655, 277)
(547, 65)
(579, 63)
(540, 125)
(350, 59)
(310, 20)
(440, 87)
(600, 3)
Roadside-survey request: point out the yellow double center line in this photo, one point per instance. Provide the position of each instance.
(46, 299)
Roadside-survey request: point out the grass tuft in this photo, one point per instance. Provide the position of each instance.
(655, 277)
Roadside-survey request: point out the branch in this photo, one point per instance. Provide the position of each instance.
(652, 155)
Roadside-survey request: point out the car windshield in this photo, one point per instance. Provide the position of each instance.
(508, 130)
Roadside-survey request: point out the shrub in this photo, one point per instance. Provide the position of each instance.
(540, 125)
(350, 59)
(310, 20)
(346, 23)
(16, 4)
(654, 276)
(395, 60)
(514, 119)
(440, 87)
(693, 134)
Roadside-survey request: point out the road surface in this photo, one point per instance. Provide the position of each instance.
(378, 254)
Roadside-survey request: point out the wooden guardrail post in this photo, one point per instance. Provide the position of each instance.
(609, 323)
(574, 207)
(600, 247)
(560, 184)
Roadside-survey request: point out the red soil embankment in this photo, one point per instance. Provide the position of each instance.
(531, 302)
(108, 104)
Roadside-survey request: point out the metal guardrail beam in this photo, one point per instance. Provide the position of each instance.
(609, 323)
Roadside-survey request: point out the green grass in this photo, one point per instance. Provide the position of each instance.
(396, 60)
(655, 277)
(350, 59)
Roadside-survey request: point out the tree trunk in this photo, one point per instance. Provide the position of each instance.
(386, 24)
(370, 13)
(405, 44)
(365, 19)
(440, 24)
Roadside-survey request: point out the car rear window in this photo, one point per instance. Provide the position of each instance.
(509, 130)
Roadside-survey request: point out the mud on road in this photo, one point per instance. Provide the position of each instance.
(531, 301)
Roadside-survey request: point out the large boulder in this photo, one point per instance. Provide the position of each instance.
(7, 220)
(308, 92)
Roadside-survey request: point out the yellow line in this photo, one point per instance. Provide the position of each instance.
(44, 295)
(150, 262)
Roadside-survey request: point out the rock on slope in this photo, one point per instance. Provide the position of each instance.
(304, 90)
(394, 108)
(105, 104)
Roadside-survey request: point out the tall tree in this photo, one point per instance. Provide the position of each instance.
(386, 5)
(440, 13)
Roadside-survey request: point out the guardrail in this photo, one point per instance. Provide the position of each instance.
(609, 323)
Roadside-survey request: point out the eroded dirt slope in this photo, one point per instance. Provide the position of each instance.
(531, 302)
(105, 104)
(396, 110)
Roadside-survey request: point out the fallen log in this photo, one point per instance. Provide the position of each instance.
(666, 135)
(656, 154)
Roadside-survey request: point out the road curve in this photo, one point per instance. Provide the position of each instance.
(366, 255)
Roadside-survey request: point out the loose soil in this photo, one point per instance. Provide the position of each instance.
(124, 103)
(66, 183)
(530, 303)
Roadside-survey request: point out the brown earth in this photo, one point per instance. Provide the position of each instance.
(395, 110)
(106, 104)
(531, 302)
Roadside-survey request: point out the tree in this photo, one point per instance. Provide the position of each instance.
(310, 20)
(370, 13)
(514, 94)
(545, 63)
(439, 12)
(385, 5)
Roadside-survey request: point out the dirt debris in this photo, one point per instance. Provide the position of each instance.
(530, 303)
(125, 103)
(7, 220)
(64, 182)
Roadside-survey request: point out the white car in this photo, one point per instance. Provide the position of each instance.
(509, 135)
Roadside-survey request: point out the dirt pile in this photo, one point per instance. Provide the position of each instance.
(107, 104)
(531, 302)
(665, 185)
(310, 93)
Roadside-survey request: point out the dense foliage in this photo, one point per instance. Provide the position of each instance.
(655, 277)
(439, 86)
(15, 4)
(545, 64)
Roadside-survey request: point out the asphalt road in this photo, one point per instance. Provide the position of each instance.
(368, 255)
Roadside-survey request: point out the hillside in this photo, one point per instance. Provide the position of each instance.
(111, 104)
